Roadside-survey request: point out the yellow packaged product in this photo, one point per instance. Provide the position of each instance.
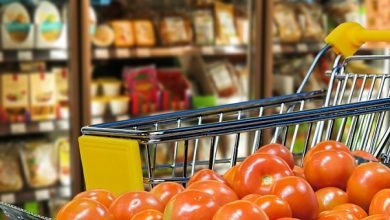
(123, 33)
(10, 174)
(226, 30)
(204, 27)
(48, 18)
(175, 30)
(285, 19)
(14, 96)
(17, 21)
(144, 33)
(104, 36)
(42, 96)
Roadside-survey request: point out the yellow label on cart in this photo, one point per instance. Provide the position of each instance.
(113, 164)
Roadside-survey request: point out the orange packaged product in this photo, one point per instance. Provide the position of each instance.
(144, 33)
(123, 33)
(226, 30)
(288, 27)
(175, 30)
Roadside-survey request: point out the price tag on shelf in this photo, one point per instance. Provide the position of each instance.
(102, 53)
(143, 52)
(122, 52)
(97, 120)
(8, 198)
(42, 194)
(25, 55)
(302, 47)
(46, 126)
(65, 191)
(58, 54)
(208, 50)
(277, 48)
(18, 128)
(63, 124)
(122, 117)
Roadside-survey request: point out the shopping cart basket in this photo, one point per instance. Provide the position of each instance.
(138, 153)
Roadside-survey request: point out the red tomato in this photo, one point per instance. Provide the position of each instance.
(105, 197)
(84, 209)
(364, 155)
(299, 195)
(287, 218)
(229, 175)
(380, 203)
(337, 215)
(130, 203)
(191, 204)
(330, 197)
(251, 197)
(329, 168)
(298, 171)
(274, 206)
(222, 193)
(149, 214)
(278, 150)
(205, 174)
(377, 217)
(258, 172)
(355, 209)
(240, 210)
(326, 145)
(165, 191)
(366, 180)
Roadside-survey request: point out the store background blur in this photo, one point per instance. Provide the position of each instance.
(145, 57)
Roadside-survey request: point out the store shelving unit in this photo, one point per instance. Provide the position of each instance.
(34, 55)
(42, 127)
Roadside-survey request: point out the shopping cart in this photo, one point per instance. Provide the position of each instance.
(138, 153)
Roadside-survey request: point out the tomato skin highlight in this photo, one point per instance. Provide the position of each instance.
(131, 203)
(299, 195)
(105, 197)
(251, 197)
(278, 150)
(222, 193)
(165, 191)
(258, 172)
(380, 203)
(337, 215)
(84, 209)
(274, 206)
(355, 209)
(325, 145)
(330, 197)
(366, 180)
(205, 174)
(149, 214)
(240, 210)
(191, 204)
(377, 217)
(329, 169)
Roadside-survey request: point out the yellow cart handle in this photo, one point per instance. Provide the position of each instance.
(348, 37)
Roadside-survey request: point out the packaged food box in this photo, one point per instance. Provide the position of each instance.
(119, 105)
(17, 31)
(62, 84)
(10, 172)
(40, 162)
(42, 96)
(63, 146)
(144, 33)
(226, 30)
(123, 33)
(175, 30)
(15, 96)
(204, 27)
(104, 36)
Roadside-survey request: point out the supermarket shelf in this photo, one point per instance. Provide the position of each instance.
(33, 55)
(281, 48)
(33, 127)
(123, 53)
(110, 118)
(40, 194)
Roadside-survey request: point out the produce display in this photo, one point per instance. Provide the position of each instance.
(265, 185)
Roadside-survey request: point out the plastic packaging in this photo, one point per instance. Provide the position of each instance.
(10, 174)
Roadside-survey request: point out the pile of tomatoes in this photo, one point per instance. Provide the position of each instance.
(266, 185)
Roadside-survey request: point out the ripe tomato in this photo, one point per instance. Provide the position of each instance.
(366, 180)
(337, 215)
(377, 217)
(229, 175)
(258, 172)
(330, 197)
(130, 203)
(191, 204)
(251, 197)
(325, 145)
(222, 193)
(278, 150)
(288, 218)
(299, 195)
(205, 174)
(240, 210)
(364, 155)
(105, 197)
(84, 209)
(329, 168)
(165, 191)
(149, 214)
(299, 172)
(380, 203)
(274, 206)
(355, 209)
